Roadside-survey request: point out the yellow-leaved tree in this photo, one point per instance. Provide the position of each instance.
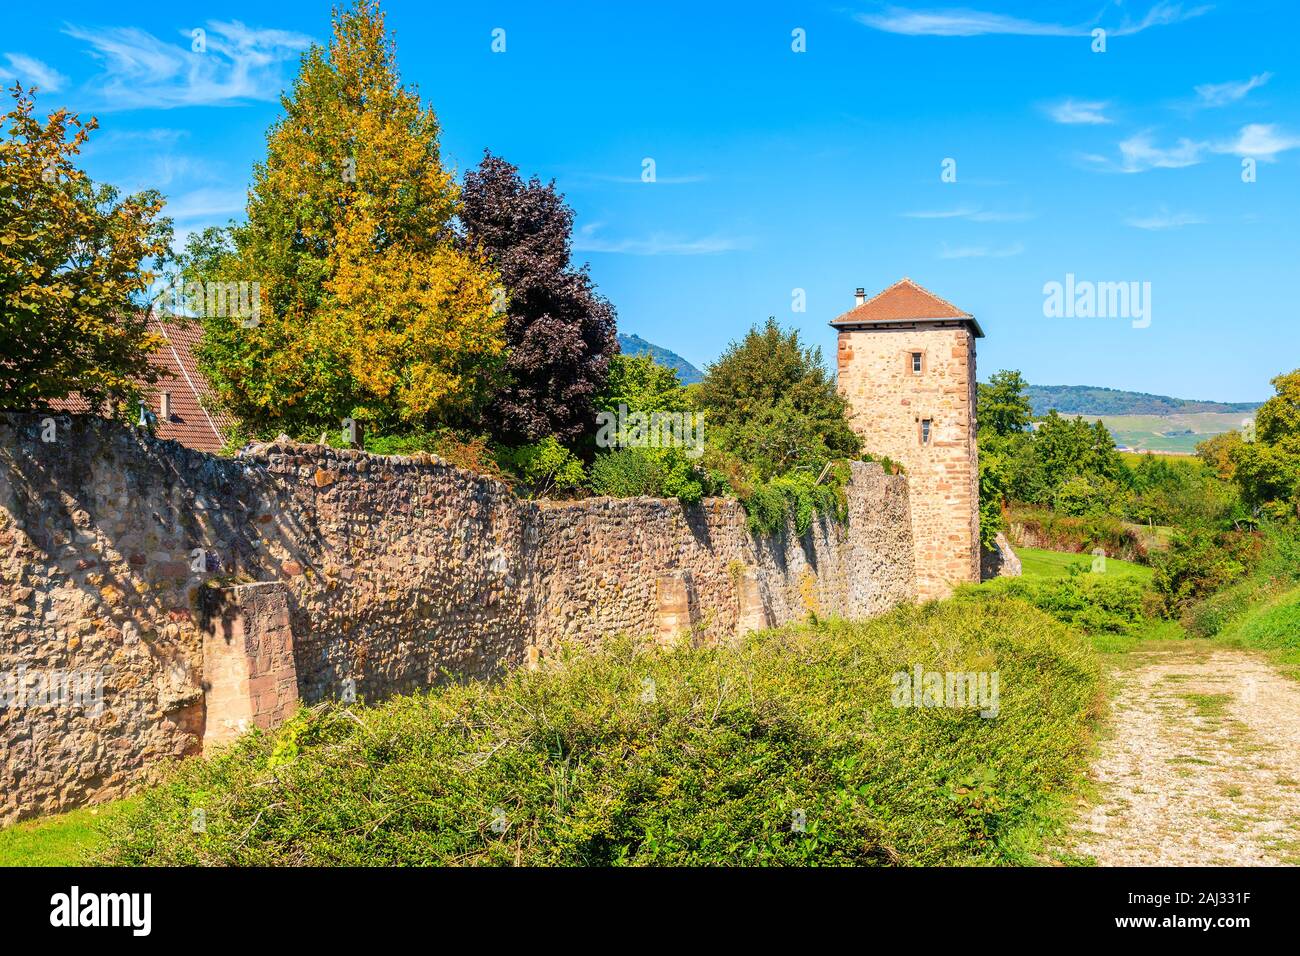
(367, 308)
(73, 269)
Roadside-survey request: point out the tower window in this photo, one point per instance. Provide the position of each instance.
(916, 363)
(926, 426)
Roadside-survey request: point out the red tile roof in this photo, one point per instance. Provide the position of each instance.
(904, 301)
(189, 423)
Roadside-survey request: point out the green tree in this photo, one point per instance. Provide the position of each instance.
(73, 262)
(637, 384)
(992, 496)
(770, 403)
(1268, 468)
(368, 307)
(1003, 405)
(1217, 450)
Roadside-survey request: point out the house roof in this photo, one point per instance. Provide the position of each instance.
(189, 423)
(905, 301)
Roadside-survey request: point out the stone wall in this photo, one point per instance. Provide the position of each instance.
(210, 594)
(888, 402)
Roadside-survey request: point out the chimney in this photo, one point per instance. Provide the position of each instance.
(859, 296)
(165, 406)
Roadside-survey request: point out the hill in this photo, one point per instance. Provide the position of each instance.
(635, 345)
(1091, 400)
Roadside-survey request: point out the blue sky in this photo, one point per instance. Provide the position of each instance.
(779, 170)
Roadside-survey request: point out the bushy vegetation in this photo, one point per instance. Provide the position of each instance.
(1095, 603)
(544, 468)
(689, 756)
(772, 407)
(1271, 625)
(1068, 487)
(1267, 468)
(798, 496)
(74, 260)
(1271, 568)
(1046, 528)
(630, 457)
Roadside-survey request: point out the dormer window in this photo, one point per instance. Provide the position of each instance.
(918, 362)
(165, 406)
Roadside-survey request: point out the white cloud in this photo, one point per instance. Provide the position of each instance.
(969, 23)
(959, 23)
(206, 203)
(1221, 94)
(1261, 141)
(1073, 112)
(972, 213)
(31, 72)
(1164, 220)
(656, 244)
(1140, 153)
(239, 63)
(980, 252)
(1160, 15)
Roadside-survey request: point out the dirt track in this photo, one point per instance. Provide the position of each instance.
(1199, 763)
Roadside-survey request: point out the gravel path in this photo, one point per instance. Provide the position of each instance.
(1199, 763)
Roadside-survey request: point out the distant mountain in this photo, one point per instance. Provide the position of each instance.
(1089, 400)
(635, 345)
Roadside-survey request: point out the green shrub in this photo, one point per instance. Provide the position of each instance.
(657, 472)
(543, 467)
(1270, 625)
(797, 496)
(1096, 603)
(636, 755)
(1198, 563)
(1038, 527)
(1275, 555)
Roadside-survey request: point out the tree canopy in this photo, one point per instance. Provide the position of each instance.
(560, 334)
(1003, 405)
(1268, 467)
(369, 307)
(74, 263)
(770, 402)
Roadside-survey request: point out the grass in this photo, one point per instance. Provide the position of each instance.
(68, 839)
(1110, 607)
(1272, 625)
(1260, 611)
(639, 755)
(1209, 705)
(1039, 563)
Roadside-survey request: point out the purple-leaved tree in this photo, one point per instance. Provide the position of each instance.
(559, 331)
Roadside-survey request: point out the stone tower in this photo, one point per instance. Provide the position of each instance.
(907, 367)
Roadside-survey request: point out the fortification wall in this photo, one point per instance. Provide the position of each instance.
(201, 595)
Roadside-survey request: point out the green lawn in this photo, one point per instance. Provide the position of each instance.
(1038, 563)
(68, 839)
